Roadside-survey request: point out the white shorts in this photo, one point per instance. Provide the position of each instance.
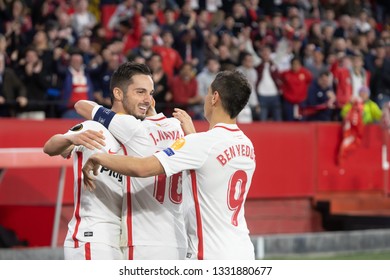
(93, 251)
(154, 253)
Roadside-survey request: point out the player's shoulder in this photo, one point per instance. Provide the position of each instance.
(162, 121)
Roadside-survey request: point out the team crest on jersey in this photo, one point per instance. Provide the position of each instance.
(77, 127)
(178, 144)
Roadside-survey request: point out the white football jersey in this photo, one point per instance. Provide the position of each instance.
(97, 214)
(220, 164)
(152, 214)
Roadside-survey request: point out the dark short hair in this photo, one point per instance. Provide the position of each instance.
(234, 90)
(123, 75)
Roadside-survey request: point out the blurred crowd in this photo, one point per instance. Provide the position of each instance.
(306, 60)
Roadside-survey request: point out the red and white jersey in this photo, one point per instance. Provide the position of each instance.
(152, 214)
(97, 214)
(220, 164)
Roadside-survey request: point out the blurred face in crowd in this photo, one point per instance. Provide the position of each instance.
(295, 65)
(318, 56)
(213, 65)
(364, 94)
(147, 42)
(32, 56)
(324, 80)
(76, 61)
(17, 9)
(357, 62)
(155, 63)
(167, 39)
(84, 44)
(113, 61)
(247, 61)
(327, 32)
(169, 16)
(224, 52)
(265, 54)
(329, 14)
(186, 72)
(3, 44)
(40, 38)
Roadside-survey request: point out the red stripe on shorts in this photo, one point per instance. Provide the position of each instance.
(77, 211)
(88, 251)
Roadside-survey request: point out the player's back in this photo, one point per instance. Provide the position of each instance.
(218, 190)
(226, 178)
(97, 214)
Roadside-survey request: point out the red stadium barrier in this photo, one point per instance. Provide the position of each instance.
(294, 161)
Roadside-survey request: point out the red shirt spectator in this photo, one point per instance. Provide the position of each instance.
(184, 89)
(296, 82)
(171, 59)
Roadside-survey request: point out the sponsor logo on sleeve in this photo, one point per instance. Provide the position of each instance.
(169, 152)
(178, 144)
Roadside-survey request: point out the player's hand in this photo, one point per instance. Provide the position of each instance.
(185, 121)
(152, 108)
(88, 177)
(90, 139)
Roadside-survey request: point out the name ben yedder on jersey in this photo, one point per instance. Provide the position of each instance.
(234, 151)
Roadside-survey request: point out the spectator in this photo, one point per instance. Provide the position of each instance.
(77, 85)
(207, 75)
(130, 31)
(160, 79)
(145, 48)
(247, 68)
(316, 63)
(245, 44)
(12, 91)
(190, 44)
(150, 24)
(344, 29)
(329, 18)
(101, 83)
(225, 59)
(380, 79)
(65, 32)
(267, 87)
(232, 45)
(211, 46)
(84, 46)
(184, 90)
(295, 84)
(359, 76)
(123, 12)
(241, 18)
(170, 22)
(82, 20)
(171, 59)
(33, 78)
(320, 100)
(371, 112)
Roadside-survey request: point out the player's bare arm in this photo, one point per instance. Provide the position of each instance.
(62, 144)
(185, 120)
(125, 165)
(84, 108)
